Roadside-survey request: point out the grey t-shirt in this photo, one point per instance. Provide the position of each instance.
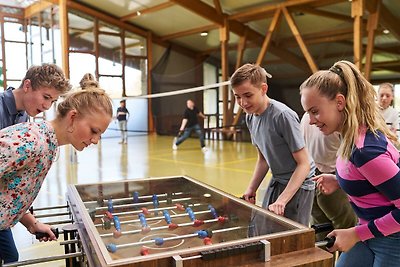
(276, 133)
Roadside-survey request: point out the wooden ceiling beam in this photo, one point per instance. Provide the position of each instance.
(106, 18)
(238, 28)
(386, 64)
(321, 37)
(147, 11)
(202, 10)
(387, 19)
(390, 50)
(261, 11)
(293, 27)
(268, 36)
(326, 14)
(129, 27)
(189, 32)
(240, 50)
(36, 8)
(388, 68)
(217, 6)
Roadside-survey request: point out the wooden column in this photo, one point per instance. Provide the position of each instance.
(123, 62)
(63, 14)
(268, 36)
(96, 47)
(224, 39)
(372, 25)
(149, 52)
(3, 52)
(357, 10)
(240, 49)
(300, 41)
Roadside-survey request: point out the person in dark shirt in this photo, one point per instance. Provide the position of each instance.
(190, 123)
(122, 117)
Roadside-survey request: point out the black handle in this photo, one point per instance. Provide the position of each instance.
(322, 227)
(40, 235)
(330, 241)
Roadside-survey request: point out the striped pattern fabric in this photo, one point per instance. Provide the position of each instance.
(371, 178)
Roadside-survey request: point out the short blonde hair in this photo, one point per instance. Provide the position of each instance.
(250, 72)
(47, 75)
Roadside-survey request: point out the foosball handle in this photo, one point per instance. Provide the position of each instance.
(330, 241)
(40, 235)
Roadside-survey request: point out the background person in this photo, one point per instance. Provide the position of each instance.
(122, 117)
(189, 124)
(385, 101)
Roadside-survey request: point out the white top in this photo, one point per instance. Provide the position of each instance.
(322, 148)
(391, 116)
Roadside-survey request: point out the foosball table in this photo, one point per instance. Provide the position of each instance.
(179, 221)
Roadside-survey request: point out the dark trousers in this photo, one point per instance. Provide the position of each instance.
(334, 208)
(8, 251)
(188, 131)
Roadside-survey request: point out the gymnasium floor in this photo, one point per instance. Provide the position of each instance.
(226, 165)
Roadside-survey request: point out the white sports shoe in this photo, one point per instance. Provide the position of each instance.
(204, 149)
(174, 146)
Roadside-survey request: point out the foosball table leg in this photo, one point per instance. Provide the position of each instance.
(70, 233)
(177, 261)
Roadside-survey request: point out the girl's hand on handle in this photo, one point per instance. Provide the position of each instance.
(326, 183)
(345, 239)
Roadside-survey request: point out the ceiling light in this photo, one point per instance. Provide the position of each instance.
(386, 31)
(203, 33)
(138, 13)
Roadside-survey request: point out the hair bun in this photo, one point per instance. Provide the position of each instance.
(88, 80)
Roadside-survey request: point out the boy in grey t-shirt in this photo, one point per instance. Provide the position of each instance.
(275, 131)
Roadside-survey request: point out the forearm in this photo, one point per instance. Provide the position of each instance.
(183, 124)
(295, 182)
(259, 173)
(29, 221)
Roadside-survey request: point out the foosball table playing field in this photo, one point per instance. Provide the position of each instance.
(179, 221)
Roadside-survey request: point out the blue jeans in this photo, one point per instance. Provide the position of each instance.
(375, 252)
(8, 251)
(188, 131)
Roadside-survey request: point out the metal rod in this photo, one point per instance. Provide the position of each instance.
(142, 204)
(157, 218)
(52, 214)
(72, 241)
(58, 222)
(44, 259)
(131, 198)
(157, 228)
(176, 237)
(49, 208)
(149, 210)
